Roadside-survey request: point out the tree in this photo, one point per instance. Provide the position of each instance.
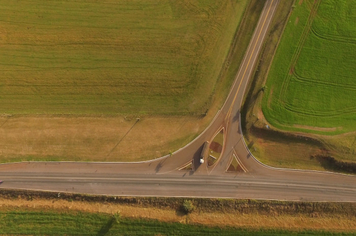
(187, 206)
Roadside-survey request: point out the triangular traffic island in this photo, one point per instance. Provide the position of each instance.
(215, 148)
(188, 166)
(235, 165)
(211, 160)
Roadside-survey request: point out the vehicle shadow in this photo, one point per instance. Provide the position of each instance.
(196, 158)
(160, 165)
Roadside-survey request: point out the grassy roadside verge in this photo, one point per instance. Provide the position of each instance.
(149, 216)
(289, 149)
(237, 51)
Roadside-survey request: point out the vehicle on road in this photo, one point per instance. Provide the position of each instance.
(1, 181)
(205, 152)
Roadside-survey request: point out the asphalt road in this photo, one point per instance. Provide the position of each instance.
(163, 177)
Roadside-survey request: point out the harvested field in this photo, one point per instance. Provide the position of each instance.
(93, 138)
(131, 57)
(313, 74)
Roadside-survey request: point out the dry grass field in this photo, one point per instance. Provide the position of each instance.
(113, 57)
(75, 75)
(93, 138)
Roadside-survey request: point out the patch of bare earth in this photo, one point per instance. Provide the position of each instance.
(94, 138)
(318, 128)
(300, 2)
(275, 149)
(269, 98)
(250, 220)
(342, 146)
(216, 147)
(260, 115)
(296, 21)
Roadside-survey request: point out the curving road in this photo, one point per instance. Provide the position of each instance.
(163, 177)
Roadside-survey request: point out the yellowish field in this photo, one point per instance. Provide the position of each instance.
(113, 57)
(93, 138)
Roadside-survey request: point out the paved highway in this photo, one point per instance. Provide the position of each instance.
(163, 177)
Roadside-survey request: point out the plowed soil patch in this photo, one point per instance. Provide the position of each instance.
(216, 147)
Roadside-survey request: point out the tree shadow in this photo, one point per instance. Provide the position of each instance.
(106, 228)
(236, 116)
(331, 164)
(283, 137)
(158, 167)
(180, 212)
(250, 145)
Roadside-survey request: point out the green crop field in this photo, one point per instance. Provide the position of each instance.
(54, 223)
(113, 57)
(311, 86)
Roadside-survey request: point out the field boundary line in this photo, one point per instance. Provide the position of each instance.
(312, 80)
(331, 37)
(298, 49)
(277, 44)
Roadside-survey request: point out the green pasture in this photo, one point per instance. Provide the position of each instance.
(74, 223)
(113, 57)
(311, 86)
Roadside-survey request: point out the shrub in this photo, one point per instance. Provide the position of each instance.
(187, 206)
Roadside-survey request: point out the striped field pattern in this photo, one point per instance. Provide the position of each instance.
(311, 86)
(113, 57)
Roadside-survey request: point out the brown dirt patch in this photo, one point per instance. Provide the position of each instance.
(269, 98)
(342, 146)
(260, 115)
(300, 2)
(288, 151)
(296, 21)
(236, 168)
(318, 128)
(216, 147)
